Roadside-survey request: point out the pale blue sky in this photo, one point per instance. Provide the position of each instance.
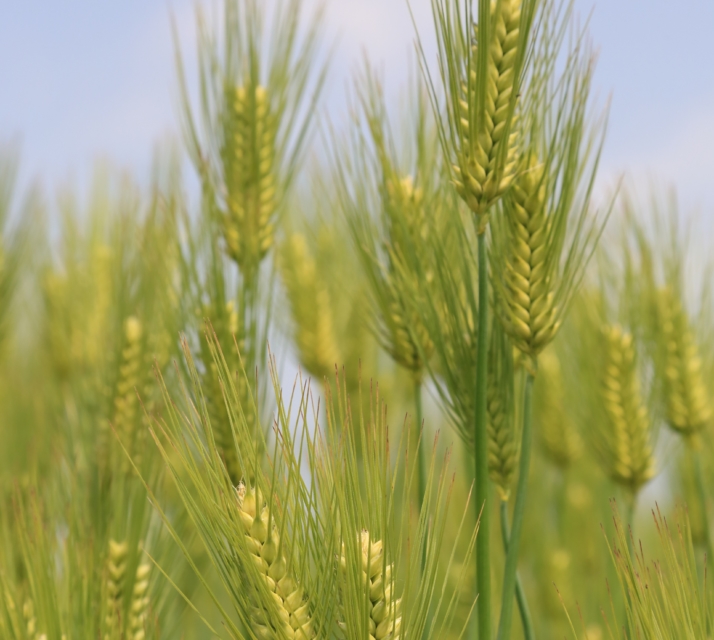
(81, 79)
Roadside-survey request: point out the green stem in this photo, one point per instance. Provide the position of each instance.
(483, 543)
(526, 620)
(509, 573)
(561, 505)
(421, 451)
(699, 478)
(630, 506)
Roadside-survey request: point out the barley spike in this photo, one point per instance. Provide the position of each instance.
(559, 440)
(632, 462)
(249, 225)
(688, 406)
(139, 603)
(385, 619)
(116, 571)
(293, 619)
(529, 309)
(483, 171)
(311, 310)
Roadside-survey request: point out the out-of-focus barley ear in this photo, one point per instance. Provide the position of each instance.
(502, 445)
(387, 189)
(631, 462)
(139, 606)
(132, 371)
(378, 580)
(291, 617)
(687, 401)
(559, 439)
(259, 90)
(249, 222)
(116, 575)
(311, 308)
(28, 613)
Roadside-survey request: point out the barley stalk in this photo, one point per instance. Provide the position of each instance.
(631, 462)
(290, 615)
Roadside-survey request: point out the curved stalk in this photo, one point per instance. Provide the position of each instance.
(699, 476)
(419, 441)
(421, 452)
(483, 543)
(526, 620)
(509, 573)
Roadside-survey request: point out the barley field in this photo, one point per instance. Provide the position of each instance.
(405, 372)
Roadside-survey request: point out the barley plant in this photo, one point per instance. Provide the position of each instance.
(402, 375)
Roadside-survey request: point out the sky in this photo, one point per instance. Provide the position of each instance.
(82, 80)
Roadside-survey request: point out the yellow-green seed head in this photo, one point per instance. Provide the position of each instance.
(134, 369)
(408, 340)
(559, 439)
(311, 308)
(289, 610)
(484, 171)
(116, 573)
(249, 225)
(531, 317)
(689, 409)
(139, 603)
(385, 619)
(630, 459)
(227, 328)
(501, 444)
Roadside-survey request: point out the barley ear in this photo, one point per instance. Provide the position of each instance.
(487, 146)
(530, 314)
(502, 447)
(225, 324)
(132, 370)
(139, 607)
(116, 574)
(311, 308)
(290, 616)
(631, 462)
(249, 224)
(688, 406)
(559, 439)
(377, 576)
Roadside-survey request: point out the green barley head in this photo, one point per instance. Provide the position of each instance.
(258, 85)
(546, 229)
(482, 59)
